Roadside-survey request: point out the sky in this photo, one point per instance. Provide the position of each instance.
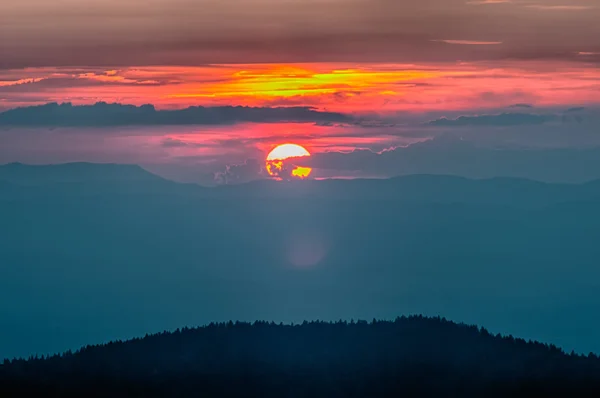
(373, 75)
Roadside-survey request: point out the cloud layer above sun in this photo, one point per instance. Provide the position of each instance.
(196, 32)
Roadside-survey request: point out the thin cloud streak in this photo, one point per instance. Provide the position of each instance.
(560, 7)
(470, 42)
(483, 2)
(8, 83)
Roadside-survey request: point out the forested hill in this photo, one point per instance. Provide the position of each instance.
(411, 356)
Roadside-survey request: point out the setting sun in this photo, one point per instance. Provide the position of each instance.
(285, 151)
(277, 164)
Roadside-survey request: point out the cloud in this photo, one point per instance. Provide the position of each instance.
(185, 32)
(175, 143)
(483, 2)
(52, 80)
(250, 170)
(103, 114)
(527, 106)
(504, 119)
(470, 42)
(20, 82)
(449, 155)
(342, 88)
(560, 7)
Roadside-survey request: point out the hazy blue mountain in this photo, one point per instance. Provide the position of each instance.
(9, 189)
(114, 260)
(79, 178)
(410, 356)
(74, 173)
(423, 188)
(83, 178)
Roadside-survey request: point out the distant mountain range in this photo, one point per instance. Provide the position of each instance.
(24, 174)
(80, 178)
(411, 356)
(90, 178)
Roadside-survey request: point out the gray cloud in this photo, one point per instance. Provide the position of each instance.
(52, 84)
(528, 106)
(514, 119)
(561, 7)
(175, 143)
(454, 156)
(186, 32)
(504, 119)
(250, 170)
(103, 114)
(469, 42)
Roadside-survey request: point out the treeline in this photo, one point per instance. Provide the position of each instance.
(411, 356)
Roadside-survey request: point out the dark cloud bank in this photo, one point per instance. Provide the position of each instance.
(103, 114)
(504, 119)
(575, 114)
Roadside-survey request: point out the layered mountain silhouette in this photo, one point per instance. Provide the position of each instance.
(25, 174)
(115, 178)
(81, 178)
(411, 356)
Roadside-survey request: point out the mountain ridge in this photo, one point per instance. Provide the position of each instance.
(108, 178)
(142, 172)
(74, 172)
(428, 355)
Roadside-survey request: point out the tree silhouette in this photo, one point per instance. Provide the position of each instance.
(410, 356)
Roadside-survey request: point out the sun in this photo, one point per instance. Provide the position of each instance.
(284, 151)
(282, 162)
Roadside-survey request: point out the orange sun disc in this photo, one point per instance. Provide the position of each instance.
(277, 166)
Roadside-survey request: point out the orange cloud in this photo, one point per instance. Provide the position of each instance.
(377, 87)
(20, 81)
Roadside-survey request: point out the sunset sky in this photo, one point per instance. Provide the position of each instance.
(378, 74)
